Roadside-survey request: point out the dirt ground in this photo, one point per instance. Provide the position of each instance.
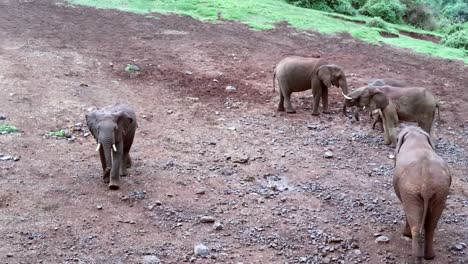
(201, 150)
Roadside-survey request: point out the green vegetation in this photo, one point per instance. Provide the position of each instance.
(132, 68)
(264, 14)
(7, 129)
(59, 134)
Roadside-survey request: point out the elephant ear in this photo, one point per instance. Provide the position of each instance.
(428, 137)
(324, 74)
(124, 121)
(378, 99)
(91, 122)
(401, 139)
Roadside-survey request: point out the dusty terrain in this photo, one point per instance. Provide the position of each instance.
(201, 150)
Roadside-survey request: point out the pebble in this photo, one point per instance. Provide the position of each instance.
(458, 247)
(240, 159)
(391, 156)
(2, 117)
(231, 88)
(151, 259)
(328, 154)
(200, 192)
(218, 226)
(188, 72)
(382, 240)
(99, 207)
(201, 250)
(158, 203)
(207, 219)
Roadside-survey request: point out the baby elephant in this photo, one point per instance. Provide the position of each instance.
(421, 182)
(297, 74)
(113, 127)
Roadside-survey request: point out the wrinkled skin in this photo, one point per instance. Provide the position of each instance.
(381, 82)
(410, 104)
(113, 125)
(422, 181)
(297, 74)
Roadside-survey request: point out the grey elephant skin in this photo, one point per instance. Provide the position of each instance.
(114, 128)
(395, 104)
(381, 82)
(421, 181)
(297, 74)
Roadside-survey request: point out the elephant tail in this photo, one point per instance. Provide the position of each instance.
(274, 78)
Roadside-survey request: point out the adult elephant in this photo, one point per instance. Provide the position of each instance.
(297, 74)
(395, 104)
(114, 128)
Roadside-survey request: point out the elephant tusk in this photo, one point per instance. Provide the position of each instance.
(113, 147)
(98, 146)
(345, 96)
(375, 111)
(363, 108)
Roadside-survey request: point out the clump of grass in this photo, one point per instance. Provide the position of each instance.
(59, 134)
(377, 22)
(7, 129)
(132, 68)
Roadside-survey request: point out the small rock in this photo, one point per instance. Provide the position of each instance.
(231, 88)
(99, 207)
(151, 259)
(240, 159)
(86, 134)
(391, 156)
(169, 112)
(201, 250)
(188, 72)
(158, 203)
(218, 226)
(303, 260)
(207, 219)
(382, 240)
(2, 117)
(200, 192)
(5, 157)
(458, 247)
(9, 255)
(328, 154)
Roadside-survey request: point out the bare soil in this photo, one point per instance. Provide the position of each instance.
(286, 204)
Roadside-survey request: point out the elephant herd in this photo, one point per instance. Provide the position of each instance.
(422, 178)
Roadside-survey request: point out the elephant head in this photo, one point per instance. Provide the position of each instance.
(333, 75)
(109, 130)
(366, 96)
(408, 131)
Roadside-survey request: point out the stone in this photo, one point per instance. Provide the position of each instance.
(200, 191)
(458, 247)
(201, 250)
(207, 219)
(99, 207)
(328, 154)
(151, 259)
(2, 117)
(382, 239)
(218, 226)
(391, 156)
(240, 159)
(231, 88)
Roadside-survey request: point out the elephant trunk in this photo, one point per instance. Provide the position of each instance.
(107, 144)
(344, 89)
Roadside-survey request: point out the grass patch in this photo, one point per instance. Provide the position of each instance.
(7, 129)
(59, 134)
(264, 14)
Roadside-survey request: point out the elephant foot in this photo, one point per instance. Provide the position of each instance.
(290, 111)
(106, 175)
(114, 185)
(124, 172)
(315, 113)
(281, 109)
(326, 112)
(429, 256)
(407, 232)
(387, 141)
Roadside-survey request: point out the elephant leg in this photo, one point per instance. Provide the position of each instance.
(105, 170)
(126, 161)
(281, 102)
(414, 212)
(390, 121)
(287, 100)
(317, 93)
(325, 99)
(430, 225)
(407, 229)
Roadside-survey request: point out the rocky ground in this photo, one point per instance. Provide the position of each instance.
(219, 176)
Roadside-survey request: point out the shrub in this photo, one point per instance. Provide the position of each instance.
(377, 22)
(421, 16)
(357, 4)
(339, 6)
(458, 11)
(457, 39)
(391, 11)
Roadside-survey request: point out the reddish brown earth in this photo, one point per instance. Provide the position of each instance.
(287, 204)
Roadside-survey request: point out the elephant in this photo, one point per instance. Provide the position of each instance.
(114, 128)
(297, 74)
(394, 104)
(390, 82)
(421, 182)
(381, 82)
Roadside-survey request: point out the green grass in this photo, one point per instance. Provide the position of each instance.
(7, 129)
(264, 14)
(59, 133)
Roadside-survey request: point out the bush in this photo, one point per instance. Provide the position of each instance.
(457, 39)
(357, 4)
(377, 22)
(421, 16)
(457, 11)
(339, 6)
(391, 11)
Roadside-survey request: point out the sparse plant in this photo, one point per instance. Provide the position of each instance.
(59, 134)
(7, 129)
